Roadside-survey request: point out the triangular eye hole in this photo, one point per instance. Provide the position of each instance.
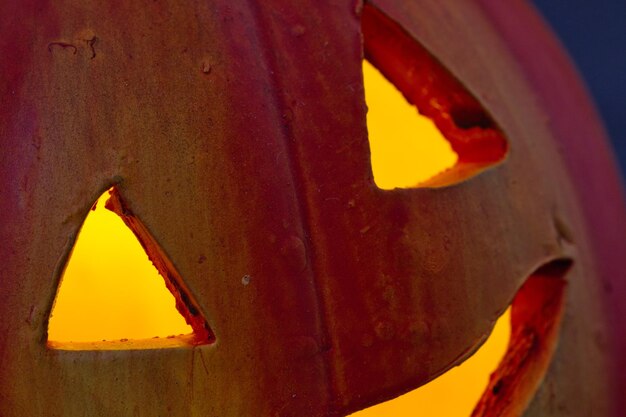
(445, 136)
(119, 291)
(406, 148)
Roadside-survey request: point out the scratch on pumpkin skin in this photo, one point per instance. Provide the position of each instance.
(193, 357)
(206, 370)
(29, 319)
(91, 42)
(63, 45)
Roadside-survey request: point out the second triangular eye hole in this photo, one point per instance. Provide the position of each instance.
(425, 129)
(406, 148)
(114, 295)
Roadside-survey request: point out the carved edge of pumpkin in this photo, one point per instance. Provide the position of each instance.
(437, 94)
(186, 306)
(536, 314)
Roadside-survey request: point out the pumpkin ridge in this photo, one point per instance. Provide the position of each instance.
(264, 31)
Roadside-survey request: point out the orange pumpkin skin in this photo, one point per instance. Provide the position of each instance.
(236, 132)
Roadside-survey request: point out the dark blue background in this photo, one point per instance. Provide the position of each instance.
(594, 34)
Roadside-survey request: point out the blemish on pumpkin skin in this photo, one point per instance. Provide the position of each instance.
(90, 43)
(298, 30)
(206, 66)
(86, 36)
(31, 313)
(389, 295)
(294, 252)
(358, 8)
(367, 341)
(63, 45)
(384, 330)
(245, 280)
(564, 232)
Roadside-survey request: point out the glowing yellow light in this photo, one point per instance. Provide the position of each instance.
(406, 148)
(110, 290)
(456, 392)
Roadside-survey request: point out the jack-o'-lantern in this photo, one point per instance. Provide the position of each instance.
(233, 138)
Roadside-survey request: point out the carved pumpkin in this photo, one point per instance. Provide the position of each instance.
(235, 133)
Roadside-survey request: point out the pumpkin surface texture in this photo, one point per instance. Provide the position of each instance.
(232, 136)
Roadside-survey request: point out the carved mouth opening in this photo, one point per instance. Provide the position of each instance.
(536, 314)
(516, 368)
